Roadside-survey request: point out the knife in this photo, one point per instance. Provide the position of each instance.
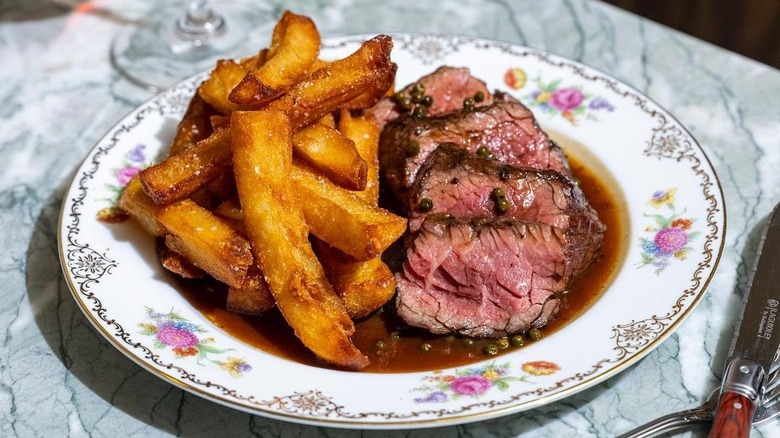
(755, 341)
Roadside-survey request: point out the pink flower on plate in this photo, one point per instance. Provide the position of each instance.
(470, 385)
(175, 337)
(567, 98)
(125, 174)
(670, 240)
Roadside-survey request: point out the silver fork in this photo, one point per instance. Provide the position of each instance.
(768, 408)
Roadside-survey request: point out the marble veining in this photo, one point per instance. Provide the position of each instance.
(59, 377)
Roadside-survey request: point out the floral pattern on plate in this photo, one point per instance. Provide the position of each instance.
(476, 381)
(172, 330)
(671, 233)
(571, 102)
(134, 161)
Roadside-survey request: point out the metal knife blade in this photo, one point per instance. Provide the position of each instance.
(756, 340)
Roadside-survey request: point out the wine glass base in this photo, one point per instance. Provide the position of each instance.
(156, 54)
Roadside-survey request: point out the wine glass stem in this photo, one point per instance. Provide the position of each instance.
(200, 21)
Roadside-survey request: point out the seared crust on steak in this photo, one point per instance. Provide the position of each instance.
(506, 128)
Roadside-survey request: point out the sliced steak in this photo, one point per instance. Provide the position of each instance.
(465, 185)
(506, 128)
(447, 86)
(483, 277)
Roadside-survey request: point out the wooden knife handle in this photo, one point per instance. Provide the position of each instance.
(734, 416)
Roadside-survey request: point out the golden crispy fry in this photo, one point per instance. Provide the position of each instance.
(296, 46)
(181, 175)
(262, 162)
(230, 209)
(177, 264)
(140, 207)
(340, 218)
(375, 93)
(253, 297)
(331, 153)
(206, 241)
(328, 120)
(194, 125)
(317, 64)
(364, 133)
(363, 286)
(336, 84)
(254, 61)
(215, 90)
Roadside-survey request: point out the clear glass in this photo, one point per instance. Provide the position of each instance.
(178, 40)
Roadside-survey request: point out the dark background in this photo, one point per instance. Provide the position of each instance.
(749, 27)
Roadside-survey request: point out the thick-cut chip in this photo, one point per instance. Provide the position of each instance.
(364, 133)
(262, 162)
(176, 263)
(337, 83)
(253, 297)
(181, 175)
(296, 49)
(333, 154)
(135, 202)
(194, 125)
(216, 89)
(206, 241)
(363, 286)
(340, 218)
(375, 94)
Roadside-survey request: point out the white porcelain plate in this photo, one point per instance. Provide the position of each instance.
(674, 217)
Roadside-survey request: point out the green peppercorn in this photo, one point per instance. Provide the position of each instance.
(517, 340)
(418, 88)
(497, 193)
(484, 152)
(490, 349)
(419, 111)
(395, 335)
(426, 347)
(468, 103)
(503, 343)
(404, 103)
(502, 205)
(417, 98)
(399, 96)
(468, 342)
(380, 345)
(535, 334)
(479, 96)
(427, 101)
(412, 149)
(426, 204)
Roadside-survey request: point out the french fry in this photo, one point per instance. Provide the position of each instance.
(181, 175)
(337, 83)
(363, 286)
(333, 154)
(296, 44)
(135, 202)
(364, 133)
(194, 125)
(206, 241)
(216, 89)
(262, 162)
(177, 264)
(253, 297)
(340, 218)
(375, 93)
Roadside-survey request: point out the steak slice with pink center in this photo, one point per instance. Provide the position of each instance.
(483, 277)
